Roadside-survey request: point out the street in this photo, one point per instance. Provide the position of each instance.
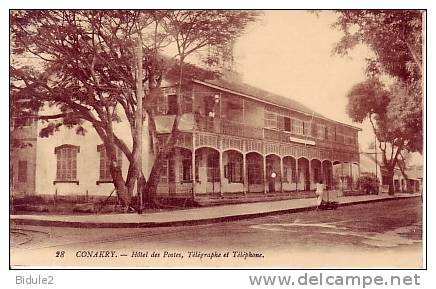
(389, 227)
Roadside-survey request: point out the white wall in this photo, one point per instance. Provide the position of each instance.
(88, 159)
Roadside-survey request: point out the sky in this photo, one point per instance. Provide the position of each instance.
(290, 53)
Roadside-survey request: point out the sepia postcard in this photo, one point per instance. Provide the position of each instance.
(217, 138)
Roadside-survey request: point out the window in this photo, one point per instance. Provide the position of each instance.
(320, 131)
(66, 168)
(172, 104)
(213, 174)
(233, 172)
(164, 172)
(171, 170)
(255, 173)
(297, 126)
(317, 175)
(280, 122)
(306, 127)
(270, 119)
(197, 166)
(294, 175)
(314, 131)
(105, 173)
(326, 132)
(186, 171)
(22, 171)
(287, 124)
(23, 121)
(286, 171)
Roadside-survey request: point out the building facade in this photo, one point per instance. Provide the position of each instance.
(233, 139)
(240, 140)
(410, 182)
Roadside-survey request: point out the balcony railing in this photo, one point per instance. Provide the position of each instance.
(217, 125)
(222, 126)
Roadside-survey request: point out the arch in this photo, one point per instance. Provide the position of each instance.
(273, 172)
(255, 172)
(327, 172)
(316, 170)
(254, 154)
(206, 147)
(303, 173)
(289, 173)
(207, 170)
(177, 174)
(273, 154)
(253, 151)
(233, 169)
(355, 174)
(302, 158)
(67, 146)
(183, 147)
(233, 149)
(183, 150)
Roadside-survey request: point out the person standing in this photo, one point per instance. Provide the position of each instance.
(319, 192)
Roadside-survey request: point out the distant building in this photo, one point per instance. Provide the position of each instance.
(234, 139)
(411, 181)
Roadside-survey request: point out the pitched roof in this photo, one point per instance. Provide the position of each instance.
(262, 95)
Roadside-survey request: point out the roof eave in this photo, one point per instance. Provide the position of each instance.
(271, 103)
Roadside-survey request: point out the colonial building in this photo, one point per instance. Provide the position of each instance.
(238, 139)
(235, 139)
(410, 182)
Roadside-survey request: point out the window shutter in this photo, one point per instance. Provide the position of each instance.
(22, 171)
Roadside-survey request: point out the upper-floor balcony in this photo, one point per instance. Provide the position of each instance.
(190, 122)
(227, 127)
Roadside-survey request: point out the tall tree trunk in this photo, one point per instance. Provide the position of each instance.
(390, 178)
(120, 186)
(150, 187)
(131, 179)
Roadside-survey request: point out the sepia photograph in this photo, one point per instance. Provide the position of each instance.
(217, 139)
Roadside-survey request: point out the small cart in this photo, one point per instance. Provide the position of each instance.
(328, 200)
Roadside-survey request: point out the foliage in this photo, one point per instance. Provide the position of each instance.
(82, 65)
(368, 182)
(395, 118)
(395, 36)
(395, 111)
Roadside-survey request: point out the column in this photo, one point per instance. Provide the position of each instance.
(297, 174)
(221, 171)
(351, 174)
(322, 174)
(281, 175)
(193, 166)
(310, 175)
(264, 175)
(342, 177)
(331, 180)
(358, 170)
(244, 173)
(193, 172)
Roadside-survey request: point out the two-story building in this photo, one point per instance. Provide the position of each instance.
(235, 139)
(238, 139)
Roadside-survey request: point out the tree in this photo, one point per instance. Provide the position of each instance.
(395, 112)
(395, 37)
(395, 119)
(83, 64)
(369, 183)
(192, 31)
